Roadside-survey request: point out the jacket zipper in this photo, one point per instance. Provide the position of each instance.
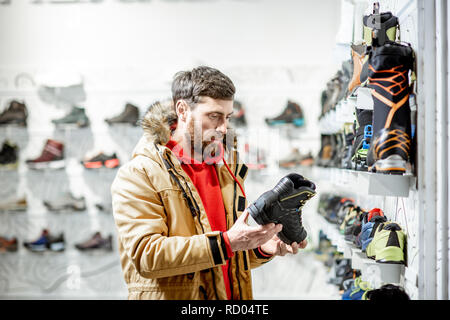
(197, 209)
(235, 218)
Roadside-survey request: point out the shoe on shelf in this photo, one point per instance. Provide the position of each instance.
(388, 244)
(77, 116)
(358, 290)
(8, 244)
(343, 210)
(292, 159)
(129, 115)
(52, 156)
(362, 140)
(368, 230)
(379, 28)
(9, 156)
(325, 154)
(307, 160)
(101, 160)
(66, 202)
(15, 205)
(45, 242)
(238, 118)
(353, 227)
(348, 137)
(360, 57)
(292, 113)
(16, 113)
(391, 146)
(96, 242)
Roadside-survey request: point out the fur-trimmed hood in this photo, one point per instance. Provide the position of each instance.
(159, 121)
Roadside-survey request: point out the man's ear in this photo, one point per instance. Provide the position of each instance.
(181, 109)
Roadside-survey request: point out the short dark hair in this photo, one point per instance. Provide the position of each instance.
(201, 81)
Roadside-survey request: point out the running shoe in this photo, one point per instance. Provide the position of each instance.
(102, 160)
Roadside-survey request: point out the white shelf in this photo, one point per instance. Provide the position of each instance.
(373, 272)
(366, 183)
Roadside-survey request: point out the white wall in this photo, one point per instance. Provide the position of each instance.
(128, 51)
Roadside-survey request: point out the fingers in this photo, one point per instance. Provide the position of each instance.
(284, 248)
(243, 217)
(266, 232)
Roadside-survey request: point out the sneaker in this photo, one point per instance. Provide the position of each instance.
(348, 137)
(9, 159)
(368, 230)
(101, 160)
(358, 291)
(129, 115)
(361, 142)
(14, 205)
(346, 205)
(342, 271)
(46, 242)
(96, 242)
(8, 244)
(77, 116)
(307, 160)
(352, 215)
(16, 113)
(291, 160)
(238, 118)
(388, 244)
(326, 151)
(66, 202)
(353, 227)
(292, 113)
(52, 156)
(332, 93)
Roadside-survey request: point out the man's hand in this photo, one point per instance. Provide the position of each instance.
(277, 247)
(245, 237)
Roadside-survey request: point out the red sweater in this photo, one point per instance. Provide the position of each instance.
(204, 177)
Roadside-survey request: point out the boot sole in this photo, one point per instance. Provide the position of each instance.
(9, 166)
(57, 164)
(391, 165)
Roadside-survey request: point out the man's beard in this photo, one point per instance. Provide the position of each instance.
(209, 145)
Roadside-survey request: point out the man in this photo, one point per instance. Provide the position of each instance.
(179, 204)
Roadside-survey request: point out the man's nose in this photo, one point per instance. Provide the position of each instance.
(222, 128)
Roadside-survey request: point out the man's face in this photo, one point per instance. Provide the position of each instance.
(207, 124)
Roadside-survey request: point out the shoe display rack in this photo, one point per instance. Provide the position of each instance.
(373, 272)
(55, 207)
(367, 183)
(343, 167)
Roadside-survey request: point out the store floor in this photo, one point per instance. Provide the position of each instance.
(98, 276)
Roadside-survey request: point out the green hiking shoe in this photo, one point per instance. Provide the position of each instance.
(388, 244)
(76, 116)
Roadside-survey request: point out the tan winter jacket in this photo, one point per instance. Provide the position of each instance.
(167, 249)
